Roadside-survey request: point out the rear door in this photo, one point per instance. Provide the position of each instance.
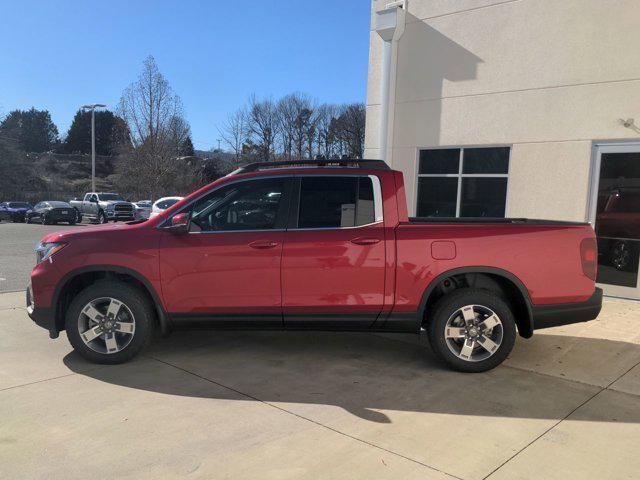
(333, 261)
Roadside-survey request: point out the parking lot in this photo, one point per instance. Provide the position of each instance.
(282, 405)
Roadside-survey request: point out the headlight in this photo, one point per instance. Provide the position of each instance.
(110, 206)
(44, 251)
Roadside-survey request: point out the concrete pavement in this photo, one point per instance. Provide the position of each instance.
(321, 405)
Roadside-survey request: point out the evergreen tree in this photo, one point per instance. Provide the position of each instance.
(32, 129)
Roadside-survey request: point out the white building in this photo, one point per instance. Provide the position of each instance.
(509, 108)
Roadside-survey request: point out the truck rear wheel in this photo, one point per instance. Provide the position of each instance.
(472, 330)
(109, 322)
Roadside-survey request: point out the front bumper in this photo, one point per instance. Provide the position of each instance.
(111, 215)
(43, 317)
(546, 316)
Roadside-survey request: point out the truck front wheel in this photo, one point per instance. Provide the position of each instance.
(102, 218)
(472, 330)
(109, 322)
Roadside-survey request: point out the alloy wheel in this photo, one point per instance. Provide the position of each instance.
(474, 333)
(106, 325)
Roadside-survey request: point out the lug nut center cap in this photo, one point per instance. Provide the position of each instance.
(473, 332)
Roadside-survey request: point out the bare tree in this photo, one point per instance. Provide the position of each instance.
(350, 127)
(325, 134)
(234, 132)
(287, 112)
(263, 125)
(157, 127)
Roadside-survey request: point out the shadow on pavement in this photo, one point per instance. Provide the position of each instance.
(359, 372)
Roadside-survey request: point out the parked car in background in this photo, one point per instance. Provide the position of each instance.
(143, 209)
(52, 212)
(162, 204)
(14, 211)
(321, 246)
(103, 207)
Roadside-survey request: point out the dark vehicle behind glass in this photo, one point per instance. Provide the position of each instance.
(52, 212)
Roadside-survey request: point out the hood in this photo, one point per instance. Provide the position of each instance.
(86, 232)
(115, 202)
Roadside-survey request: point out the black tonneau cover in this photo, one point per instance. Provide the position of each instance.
(527, 221)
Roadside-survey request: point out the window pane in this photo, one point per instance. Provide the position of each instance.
(483, 197)
(251, 205)
(439, 161)
(437, 196)
(365, 211)
(327, 202)
(486, 160)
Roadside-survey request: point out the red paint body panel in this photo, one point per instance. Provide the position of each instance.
(220, 272)
(321, 271)
(324, 272)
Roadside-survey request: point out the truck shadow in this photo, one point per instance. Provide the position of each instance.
(366, 374)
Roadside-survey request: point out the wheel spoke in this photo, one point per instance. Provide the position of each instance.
(489, 323)
(91, 312)
(114, 308)
(455, 332)
(110, 342)
(92, 333)
(488, 344)
(467, 349)
(468, 314)
(124, 327)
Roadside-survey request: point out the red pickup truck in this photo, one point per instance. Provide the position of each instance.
(314, 245)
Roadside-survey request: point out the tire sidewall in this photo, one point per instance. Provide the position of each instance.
(447, 305)
(133, 298)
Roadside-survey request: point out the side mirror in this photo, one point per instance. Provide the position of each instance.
(179, 223)
(93, 200)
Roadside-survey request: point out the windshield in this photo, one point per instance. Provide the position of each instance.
(164, 204)
(59, 204)
(19, 205)
(110, 196)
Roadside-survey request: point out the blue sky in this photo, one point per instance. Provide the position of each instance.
(57, 55)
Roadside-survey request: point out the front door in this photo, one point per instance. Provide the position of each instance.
(227, 268)
(333, 262)
(615, 214)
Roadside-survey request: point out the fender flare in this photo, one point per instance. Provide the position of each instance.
(527, 333)
(163, 318)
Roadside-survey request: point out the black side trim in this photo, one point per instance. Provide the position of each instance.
(165, 325)
(227, 321)
(330, 321)
(405, 322)
(546, 316)
(524, 332)
(43, 317)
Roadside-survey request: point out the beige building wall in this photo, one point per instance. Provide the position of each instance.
(549, 77)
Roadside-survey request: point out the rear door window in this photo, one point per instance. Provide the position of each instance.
(336, 202)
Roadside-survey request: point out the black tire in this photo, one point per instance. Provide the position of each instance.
(78, 216)
(102, 218)
(72, 222)
(448, 305)
(134, 299)
(43, 220)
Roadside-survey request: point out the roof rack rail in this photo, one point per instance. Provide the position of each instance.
(355, 163)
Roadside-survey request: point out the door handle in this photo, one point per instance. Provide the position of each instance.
(365, 240)
(263, 244)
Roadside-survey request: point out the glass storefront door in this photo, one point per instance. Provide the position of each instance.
(615, 215)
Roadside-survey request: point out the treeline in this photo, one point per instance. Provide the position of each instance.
(294, 127)
(148, 140)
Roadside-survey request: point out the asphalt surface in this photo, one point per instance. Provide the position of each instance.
(17, 256)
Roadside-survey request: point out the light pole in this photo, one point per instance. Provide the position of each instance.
(93, 107)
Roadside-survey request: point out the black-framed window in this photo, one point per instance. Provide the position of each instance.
(463, 182)
(248, 205)
(336, 202)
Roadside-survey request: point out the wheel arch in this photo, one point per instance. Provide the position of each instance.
(490, 278)
(77, 279)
